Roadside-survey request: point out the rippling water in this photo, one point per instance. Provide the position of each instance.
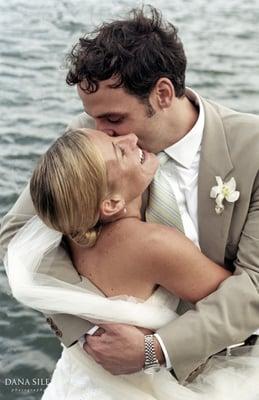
(221, 41)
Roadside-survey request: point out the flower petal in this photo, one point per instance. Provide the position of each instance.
(219, 199)
(214, 191)
(219, 181)
(219, 209)
(231, 184)
(232, 197)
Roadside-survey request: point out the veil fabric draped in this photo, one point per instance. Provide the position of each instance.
(230, 378)
(48, 294)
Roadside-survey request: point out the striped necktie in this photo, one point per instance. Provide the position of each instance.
(162, 206)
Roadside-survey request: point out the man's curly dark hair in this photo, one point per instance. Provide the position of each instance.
(136, 51)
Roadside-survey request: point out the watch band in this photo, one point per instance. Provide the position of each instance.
(151, 362)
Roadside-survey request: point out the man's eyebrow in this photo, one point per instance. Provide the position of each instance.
(115, 150)
(109, 114)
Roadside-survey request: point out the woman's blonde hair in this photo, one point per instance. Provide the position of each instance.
(68, 186)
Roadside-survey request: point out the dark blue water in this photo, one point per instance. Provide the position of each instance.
(221, 41)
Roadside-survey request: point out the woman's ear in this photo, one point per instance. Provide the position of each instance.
(111, 206)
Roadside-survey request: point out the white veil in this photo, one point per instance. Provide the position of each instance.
(43, 292)
(48, 294)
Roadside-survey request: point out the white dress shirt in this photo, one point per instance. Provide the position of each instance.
(182, 171)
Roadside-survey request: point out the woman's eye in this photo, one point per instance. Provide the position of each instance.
(122, 151)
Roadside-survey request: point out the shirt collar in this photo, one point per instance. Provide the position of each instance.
(185, 150)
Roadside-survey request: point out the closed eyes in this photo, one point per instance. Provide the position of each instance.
(122, 151)
(114, 120)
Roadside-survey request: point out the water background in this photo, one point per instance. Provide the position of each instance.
(222, 44)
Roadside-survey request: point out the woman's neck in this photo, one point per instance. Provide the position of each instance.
(131, 210)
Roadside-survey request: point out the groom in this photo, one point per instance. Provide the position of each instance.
(130, 77)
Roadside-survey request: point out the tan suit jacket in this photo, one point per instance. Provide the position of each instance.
(230, 148)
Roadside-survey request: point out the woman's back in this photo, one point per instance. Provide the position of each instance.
(132, 258)
(116, 264)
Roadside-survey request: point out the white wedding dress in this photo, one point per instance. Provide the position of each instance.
(77, 376)
(69, 380)
(225, 378)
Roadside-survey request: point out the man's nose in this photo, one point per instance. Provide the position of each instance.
(100, 127)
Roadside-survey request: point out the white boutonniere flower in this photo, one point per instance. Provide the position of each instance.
(224, 190)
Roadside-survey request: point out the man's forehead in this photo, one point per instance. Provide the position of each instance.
(104, 97)
(101, 108)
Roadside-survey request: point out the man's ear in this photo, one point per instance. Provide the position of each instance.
(111, 206)
(164, 93)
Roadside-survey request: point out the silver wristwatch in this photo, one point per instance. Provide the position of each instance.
(151, 362)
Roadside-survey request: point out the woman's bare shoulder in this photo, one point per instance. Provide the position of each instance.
(145, 242)
(150, 240)
(159, 234)
(148, 231)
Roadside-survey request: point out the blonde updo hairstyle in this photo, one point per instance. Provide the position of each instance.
(68, 186)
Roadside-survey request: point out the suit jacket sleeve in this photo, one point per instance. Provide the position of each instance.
(67, 327)
(227, 316)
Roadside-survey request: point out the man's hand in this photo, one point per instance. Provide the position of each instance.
(119, 349)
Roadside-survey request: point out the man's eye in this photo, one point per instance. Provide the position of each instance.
(114, 120)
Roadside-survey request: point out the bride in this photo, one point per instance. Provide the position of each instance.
(88, 186)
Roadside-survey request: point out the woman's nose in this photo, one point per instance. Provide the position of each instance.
(131, 139)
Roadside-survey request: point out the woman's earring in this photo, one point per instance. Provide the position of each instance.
(125, 210)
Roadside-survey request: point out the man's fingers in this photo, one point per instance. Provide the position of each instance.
(113, 327)
(91, 353)
(99, 332)
(92, 341)
(98, 344)
(107, 327)
(96, 358)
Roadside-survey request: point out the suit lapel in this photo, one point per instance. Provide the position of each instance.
(215, 161)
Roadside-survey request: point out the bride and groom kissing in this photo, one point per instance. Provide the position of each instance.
(130, 77)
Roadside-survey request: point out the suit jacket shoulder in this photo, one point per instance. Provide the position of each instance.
(68, 328)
